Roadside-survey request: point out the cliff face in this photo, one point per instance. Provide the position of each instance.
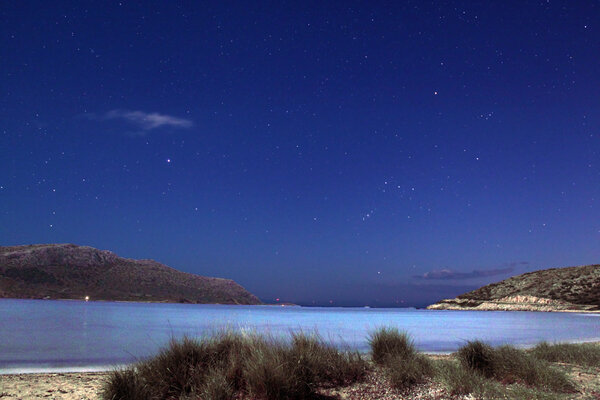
(556, 289)
(67, 271)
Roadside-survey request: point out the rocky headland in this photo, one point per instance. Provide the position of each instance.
(68, 271)
(574, 289)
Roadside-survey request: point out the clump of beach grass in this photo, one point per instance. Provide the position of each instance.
(396, 352)
(508, 364)
(280, 371)
(405, 373)
(459, 380)
(216, 386)
(586, 354)
(389, 342)
(232, 365)
(477, 356)
(332, 366)
(517, 366)
(222, 365)
(125, 384)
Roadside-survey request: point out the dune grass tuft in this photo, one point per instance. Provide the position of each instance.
(390, 342)
(508, 364)
(125, 384)
(405, 373)
(331, 366)
(216, 386)
(459, 380)
(587, 354)
(477, 356)
(223, 365)
(396, 352)
(230, 365)
(515, 365)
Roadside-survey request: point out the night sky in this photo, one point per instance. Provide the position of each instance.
(332, 153)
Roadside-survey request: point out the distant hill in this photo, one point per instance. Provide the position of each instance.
(68, 271)
(555, 289)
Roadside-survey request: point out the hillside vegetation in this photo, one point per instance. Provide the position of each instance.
(68, 271)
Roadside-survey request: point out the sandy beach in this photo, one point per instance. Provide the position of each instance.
(64, 386)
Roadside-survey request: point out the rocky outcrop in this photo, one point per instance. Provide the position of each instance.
(68, 271)
(574, 289)
(511, 303)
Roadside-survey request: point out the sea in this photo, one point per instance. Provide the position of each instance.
(55, 336)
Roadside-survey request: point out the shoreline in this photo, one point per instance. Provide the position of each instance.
(439, 306)
(29, 370)
(509, 310)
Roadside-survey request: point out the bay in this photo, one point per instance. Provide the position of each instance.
(47, 335)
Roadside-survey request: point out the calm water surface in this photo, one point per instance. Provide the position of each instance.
(73, 335)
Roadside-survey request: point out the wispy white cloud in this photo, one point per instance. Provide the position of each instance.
(148, 121)
(448, 274)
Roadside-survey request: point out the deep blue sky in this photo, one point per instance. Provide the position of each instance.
(353, 152)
